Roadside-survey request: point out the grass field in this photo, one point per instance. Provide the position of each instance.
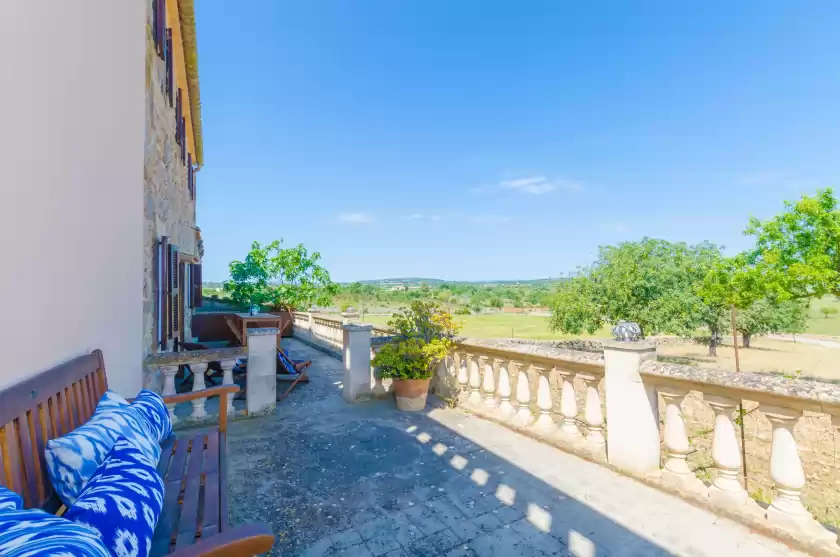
(818, 324)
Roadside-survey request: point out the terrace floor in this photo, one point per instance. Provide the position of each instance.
(367, 480)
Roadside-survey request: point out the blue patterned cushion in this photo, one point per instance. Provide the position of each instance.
(73, 459)
(122, 501)
(32, 532)
(151, 405)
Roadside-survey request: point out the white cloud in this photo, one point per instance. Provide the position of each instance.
(488, 219)
(415, 216)
(540, 185)
(421, 216)
(354, 218)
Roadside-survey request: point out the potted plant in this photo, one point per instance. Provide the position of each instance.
(423, 336)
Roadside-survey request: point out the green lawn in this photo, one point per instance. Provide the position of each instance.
(818, 324)
(503, 326)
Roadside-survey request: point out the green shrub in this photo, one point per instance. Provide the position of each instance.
(424, 336)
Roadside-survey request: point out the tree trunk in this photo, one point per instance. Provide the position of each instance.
(713, 344)
(747, 337)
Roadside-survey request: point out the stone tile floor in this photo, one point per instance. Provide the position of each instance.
(365, 480)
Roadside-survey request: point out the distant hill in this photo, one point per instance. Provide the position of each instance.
(416, 281)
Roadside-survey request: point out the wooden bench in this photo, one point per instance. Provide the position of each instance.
(194, 519)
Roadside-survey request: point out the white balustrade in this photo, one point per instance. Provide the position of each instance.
(524, 415)
(227, 379)
(593, 414)
(169, 373)
(198, 370)
(463, 375)
(726, 453)
(568, 406)
(475, 363)
(489, 385)
(544, 423)
(676, 472)
(505, 411)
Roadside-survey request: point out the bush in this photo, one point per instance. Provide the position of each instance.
(424, 336)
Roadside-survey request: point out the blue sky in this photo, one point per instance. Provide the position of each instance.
(487, 139)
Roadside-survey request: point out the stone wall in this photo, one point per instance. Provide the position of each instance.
(168, 207)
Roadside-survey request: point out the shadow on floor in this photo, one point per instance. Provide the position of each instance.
(361, 480)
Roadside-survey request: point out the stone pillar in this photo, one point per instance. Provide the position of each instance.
(463, 376)
(726, 454)
(787, 474)
(357, 369)
(261, 379)
(227, 379)
(632, 407)
(568, 406)
(489, 385)
(545, 423)
(475, 363)
(198, 370)
(169, 387)
(593, 416)
(676, 473)
(506, 409)
(524, 415)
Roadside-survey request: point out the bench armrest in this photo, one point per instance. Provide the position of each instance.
(222, 391)
(242, 541)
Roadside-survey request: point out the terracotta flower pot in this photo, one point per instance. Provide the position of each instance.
(411, 393)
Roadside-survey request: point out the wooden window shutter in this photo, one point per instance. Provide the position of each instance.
(189, 174)
(161, 26)
(195, 284)
(183, 140)
(161, 291)
(169, 67)
(155, 25)
(174, 315)
(178, 117)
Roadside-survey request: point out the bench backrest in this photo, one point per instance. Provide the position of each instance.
(48, 405)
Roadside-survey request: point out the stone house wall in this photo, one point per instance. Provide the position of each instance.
(168, 207)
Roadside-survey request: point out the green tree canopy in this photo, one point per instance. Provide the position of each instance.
(771, 316)
(799, 250)
(280, 278)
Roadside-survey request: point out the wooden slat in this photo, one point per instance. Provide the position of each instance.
(211, 460)
(210, 522)
(176, 467)
(170, 512)
(41, 434)
(11, 458)
(166, 451)
(27, 455)
(69, 409)
(53, 418)
(188, 525)
(223, 484)
(87, 394)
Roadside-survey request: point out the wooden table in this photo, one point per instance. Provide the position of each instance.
(239, 323)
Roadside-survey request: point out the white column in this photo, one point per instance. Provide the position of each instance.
(506, 409)
(379, 389)
(169, 387)
(676, 473)
(568, 406)
(726, 454)
(632, 407)
(545, 423)
(463, 375)
(198, 370)
(524, 415)
(489, 385)
(787, 474)
(261, 379)
(475, 363)
(227, 379)
(593, 415)
(357, 371)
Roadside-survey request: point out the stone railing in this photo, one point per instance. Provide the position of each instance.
(319, 330)
(563, 397)
(165, 365)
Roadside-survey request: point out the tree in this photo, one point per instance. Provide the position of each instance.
(771, 316)
(828, 310)
(280, 278)
(651, 282)
(799, 250)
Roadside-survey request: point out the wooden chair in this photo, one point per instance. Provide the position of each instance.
(194, 519)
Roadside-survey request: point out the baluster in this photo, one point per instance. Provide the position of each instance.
(568, 406)
(227, 379)
(489, 385)
(524, 415)
(463, 375)
(198, 386)
(593, 415)
(787, 474)
(545, 423)
(169, 387)
(676, 472)
(506, 409)
(726, 454)
(476, 362)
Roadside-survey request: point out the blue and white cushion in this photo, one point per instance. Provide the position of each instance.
(122, 501)
(151, 405)
(32, 532)
(73, 459)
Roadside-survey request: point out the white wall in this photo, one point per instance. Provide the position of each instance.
(72, 110)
